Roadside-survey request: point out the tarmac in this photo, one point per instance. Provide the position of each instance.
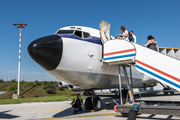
(63, 111)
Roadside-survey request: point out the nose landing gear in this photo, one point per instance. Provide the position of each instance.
(93, 102)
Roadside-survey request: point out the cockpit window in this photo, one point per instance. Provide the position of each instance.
(78, 33)
(72, 27)
(65, 32)
(86, 35)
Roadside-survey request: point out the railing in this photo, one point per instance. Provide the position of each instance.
(173, 52)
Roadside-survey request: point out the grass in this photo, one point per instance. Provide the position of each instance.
(38, 99)
(34, 92)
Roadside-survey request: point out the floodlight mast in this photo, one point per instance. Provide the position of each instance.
(19, 25)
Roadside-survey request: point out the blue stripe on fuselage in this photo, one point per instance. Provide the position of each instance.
(95, 40)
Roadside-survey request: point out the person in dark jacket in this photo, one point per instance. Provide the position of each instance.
(77, 103)
(151, 43)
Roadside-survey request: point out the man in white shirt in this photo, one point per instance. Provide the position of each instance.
(134, 37)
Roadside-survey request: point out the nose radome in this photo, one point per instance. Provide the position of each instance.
(47, 51)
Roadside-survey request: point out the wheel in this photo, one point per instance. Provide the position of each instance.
(165, 92)
(88, 104)
(97, 104)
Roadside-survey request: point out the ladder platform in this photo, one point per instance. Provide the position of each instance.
(119, 52)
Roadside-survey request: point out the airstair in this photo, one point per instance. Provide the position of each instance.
(162, 65)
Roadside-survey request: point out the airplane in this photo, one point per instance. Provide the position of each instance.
(74, 55)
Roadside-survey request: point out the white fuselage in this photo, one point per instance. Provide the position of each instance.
(81, 65)
(74, 55)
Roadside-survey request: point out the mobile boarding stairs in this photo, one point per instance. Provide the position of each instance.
(159, 66)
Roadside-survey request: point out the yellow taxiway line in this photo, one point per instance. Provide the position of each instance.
(80, 116)
(54, 110)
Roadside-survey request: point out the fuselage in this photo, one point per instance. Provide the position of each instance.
(74, 55)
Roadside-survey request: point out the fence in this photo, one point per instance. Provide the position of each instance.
(29, 78)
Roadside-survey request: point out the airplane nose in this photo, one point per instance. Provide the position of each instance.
(46, 51)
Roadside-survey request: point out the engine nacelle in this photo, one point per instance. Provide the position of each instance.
(63, 84)
(74, 88)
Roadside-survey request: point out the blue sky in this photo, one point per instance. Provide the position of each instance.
(159, 18)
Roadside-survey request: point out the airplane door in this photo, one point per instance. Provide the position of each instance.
(104, 29)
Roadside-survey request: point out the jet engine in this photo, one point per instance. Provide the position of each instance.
(63, 84)
(70, 87)
(74, 88)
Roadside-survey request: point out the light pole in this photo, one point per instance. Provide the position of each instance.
(19, 25)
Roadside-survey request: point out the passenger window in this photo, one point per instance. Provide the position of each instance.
(78, 33)
(86, 35)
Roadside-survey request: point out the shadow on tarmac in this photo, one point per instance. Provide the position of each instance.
(4, 115)
(69, 111)
(65, 113)
(110, 97)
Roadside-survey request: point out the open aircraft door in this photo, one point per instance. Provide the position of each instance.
(104, 29)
